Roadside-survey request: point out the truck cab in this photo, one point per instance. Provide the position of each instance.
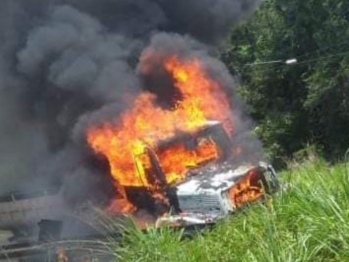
(194, 173)
(188, 179)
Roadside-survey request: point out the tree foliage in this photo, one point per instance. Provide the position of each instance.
(307, 102)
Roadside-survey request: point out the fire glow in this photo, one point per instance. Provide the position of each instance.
(248, 189)
(176, 160)
(145, 123)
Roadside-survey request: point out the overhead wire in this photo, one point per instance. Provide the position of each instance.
(297, 58)
(294, 61)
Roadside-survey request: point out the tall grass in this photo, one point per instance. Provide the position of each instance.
(307, 221)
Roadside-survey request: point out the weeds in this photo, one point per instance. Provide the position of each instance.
(307, 222)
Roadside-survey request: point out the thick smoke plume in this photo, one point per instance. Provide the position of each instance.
(67, 64)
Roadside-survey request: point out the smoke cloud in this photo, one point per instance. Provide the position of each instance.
(67, 64)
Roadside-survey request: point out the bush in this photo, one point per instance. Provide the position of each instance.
(307, 221)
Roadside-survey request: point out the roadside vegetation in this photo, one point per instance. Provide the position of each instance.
(306, 101)
(307, 221)
(292, 104)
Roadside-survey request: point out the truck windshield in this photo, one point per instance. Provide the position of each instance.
(170, 161)
(177, 159)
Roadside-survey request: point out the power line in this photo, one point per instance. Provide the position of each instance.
(264, 63)
(295, 61)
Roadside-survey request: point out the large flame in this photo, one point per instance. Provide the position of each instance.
(145, 123)
(248, 189)
(177, 160)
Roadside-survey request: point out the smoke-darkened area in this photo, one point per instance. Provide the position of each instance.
(65, 65)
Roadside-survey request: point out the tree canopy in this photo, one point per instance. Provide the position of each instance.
(304, 102)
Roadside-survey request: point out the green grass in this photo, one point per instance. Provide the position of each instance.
(309, 221)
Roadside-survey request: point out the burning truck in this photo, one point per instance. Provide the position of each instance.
(202, 191)
(181, 157)
(196, 193)
(175, 163)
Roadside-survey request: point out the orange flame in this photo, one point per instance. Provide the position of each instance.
(177, 160)
(247, 190)
(145, 123)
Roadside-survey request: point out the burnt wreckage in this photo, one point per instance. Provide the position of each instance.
(206, 191)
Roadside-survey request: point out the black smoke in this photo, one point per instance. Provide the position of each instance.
(67, 64)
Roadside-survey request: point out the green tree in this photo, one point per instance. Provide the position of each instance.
(301, 103)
